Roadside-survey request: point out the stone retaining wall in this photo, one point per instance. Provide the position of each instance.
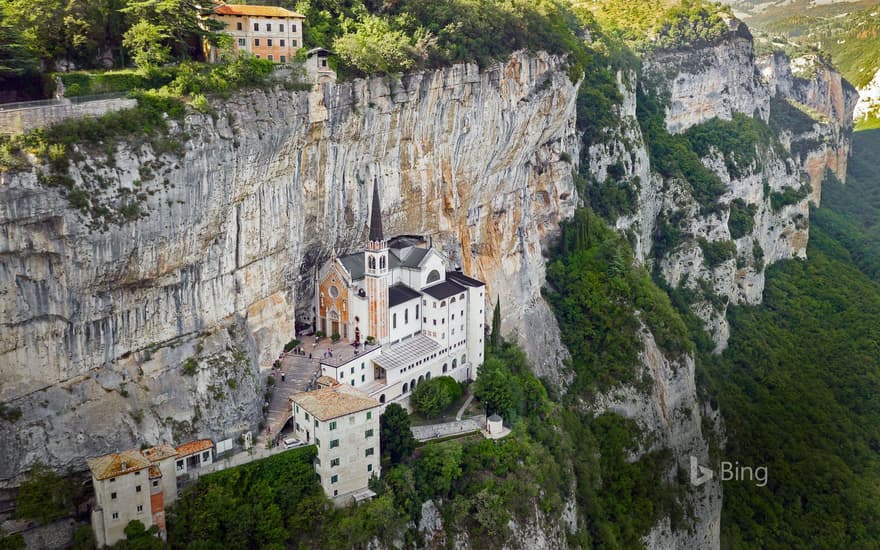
(21, 120)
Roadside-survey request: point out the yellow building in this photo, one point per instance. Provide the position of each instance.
(266, 32)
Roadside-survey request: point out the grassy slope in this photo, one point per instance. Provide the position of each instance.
(800, 385)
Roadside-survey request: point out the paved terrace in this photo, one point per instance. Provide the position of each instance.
(343, 351)
(300, 374)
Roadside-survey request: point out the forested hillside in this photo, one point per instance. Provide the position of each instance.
(799, 388)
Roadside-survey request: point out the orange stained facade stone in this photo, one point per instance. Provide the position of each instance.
(333, 303)
(266, 32)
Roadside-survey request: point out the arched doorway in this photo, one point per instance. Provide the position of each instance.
(382, 398)
(454, 364)
(428, 375)
(445, 367)
(405, 387)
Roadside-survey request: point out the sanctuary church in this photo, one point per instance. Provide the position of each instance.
(400, 313)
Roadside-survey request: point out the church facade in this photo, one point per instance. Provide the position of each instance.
(408, 315)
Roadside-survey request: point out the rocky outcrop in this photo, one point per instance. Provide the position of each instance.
(811, 84)
(713, 81)
(670, 414)
(265, 188)
(868, 105)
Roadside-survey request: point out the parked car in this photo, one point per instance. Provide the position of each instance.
(291, 443)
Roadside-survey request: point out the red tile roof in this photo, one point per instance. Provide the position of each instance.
(159, 452)
(259, 11)
(194, 447)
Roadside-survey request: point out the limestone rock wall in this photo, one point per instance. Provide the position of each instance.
(232, 229)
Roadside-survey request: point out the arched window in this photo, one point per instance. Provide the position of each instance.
(445, 367)
(381, 262)
(463, 358)
(434, 275)
(428, 375)
(452, 301)
(454, 364)
(371, 262)
(405, 387)
(382, 398)
(443, 303)
(421, 378)
(412, 384)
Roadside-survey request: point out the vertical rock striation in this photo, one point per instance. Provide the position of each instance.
(219, 267)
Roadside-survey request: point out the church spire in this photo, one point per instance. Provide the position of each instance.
(376, 216)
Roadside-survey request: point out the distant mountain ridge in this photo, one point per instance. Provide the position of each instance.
(847, 32)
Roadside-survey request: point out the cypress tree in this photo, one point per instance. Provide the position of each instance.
(496, 324)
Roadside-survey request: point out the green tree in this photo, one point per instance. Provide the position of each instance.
(179, 23)
(145, 41)
(496, 324)
(15, 58)
(45, 496)
(437, 469)
(138, 537)
(84, 538)
(495, 387)
(12, 542)
(432, 396)
(374, 47)
(395, 434)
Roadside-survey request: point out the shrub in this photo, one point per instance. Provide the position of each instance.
(690, 24)
(717, 252)
(788, 196)
(190, 366)
(742, 218)
(321, 334)
(672, 155)
(335, 337)
(758, 255)
(9, 414)
(431, 397)
(292, 344)
(45, 496)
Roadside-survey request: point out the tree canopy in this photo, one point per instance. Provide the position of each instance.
(395, 435)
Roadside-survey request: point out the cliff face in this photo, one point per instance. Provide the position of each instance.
(266, 188)
(703, 83)
(718, 81)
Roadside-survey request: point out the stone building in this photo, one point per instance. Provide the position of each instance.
(318, 66)
(132, 485)
(343, 422)
(401, 316)
(266, 32)
(194, 454)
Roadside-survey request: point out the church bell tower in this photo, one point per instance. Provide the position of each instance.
(376, 273)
